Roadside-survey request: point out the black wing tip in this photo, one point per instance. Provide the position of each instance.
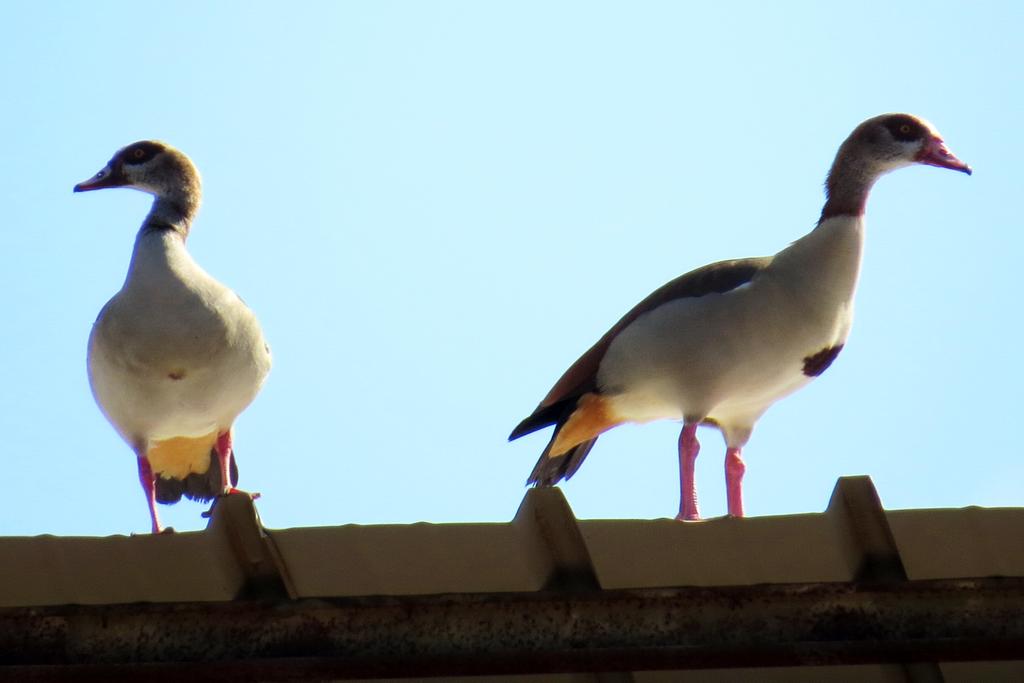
(541, 418)
(545, 416)
(523, 428)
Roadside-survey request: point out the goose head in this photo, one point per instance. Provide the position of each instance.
(152, 167)
(891, 141)
(877, 146)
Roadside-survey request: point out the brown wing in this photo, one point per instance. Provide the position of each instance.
(581, 377)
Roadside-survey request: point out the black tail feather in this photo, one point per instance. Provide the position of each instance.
(549, 471)
(202, 487)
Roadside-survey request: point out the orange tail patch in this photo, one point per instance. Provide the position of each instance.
(592, 417)
(181, 456)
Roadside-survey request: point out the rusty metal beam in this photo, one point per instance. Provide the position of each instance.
(856, 499)
(678, 628)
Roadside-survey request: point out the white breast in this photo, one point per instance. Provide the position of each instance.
(174, 353)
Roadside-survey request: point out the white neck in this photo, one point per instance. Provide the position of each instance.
(158, 253)
(828, 257)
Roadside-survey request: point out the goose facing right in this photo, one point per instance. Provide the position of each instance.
(719, 345)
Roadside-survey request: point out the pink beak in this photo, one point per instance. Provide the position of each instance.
(935, 153)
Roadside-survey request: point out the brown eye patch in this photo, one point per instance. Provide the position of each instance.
(141, 152)
(905, 129)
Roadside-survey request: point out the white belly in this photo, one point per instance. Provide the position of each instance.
(168, 376)
(163, 402)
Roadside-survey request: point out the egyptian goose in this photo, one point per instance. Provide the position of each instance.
(174, 356)
(720, 344)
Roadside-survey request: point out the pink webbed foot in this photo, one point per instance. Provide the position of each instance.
(689, 447)
(734, 469)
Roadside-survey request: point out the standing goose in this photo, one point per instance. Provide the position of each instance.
(174, 356)
(719, 345)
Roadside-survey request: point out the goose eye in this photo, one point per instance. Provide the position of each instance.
(905, 128)
(138, 153)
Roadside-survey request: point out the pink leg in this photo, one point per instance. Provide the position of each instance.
(689, 447)
(224, 458)
(149, 488)
(734, 469)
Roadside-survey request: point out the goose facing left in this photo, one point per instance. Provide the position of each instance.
(175, 356)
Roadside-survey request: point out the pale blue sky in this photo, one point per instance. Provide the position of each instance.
(435, 207)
